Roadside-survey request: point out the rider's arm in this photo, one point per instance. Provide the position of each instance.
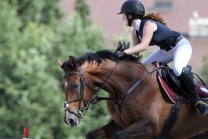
(148, 30)
(135, 39)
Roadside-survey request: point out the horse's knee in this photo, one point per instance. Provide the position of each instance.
(89, 135)
(120, 135)
(96, 134)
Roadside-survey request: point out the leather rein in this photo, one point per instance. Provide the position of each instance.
(95, 99)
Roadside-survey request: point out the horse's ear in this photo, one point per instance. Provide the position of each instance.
(73, 62)
(59, 63)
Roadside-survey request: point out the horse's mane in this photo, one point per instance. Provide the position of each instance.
(100, 55)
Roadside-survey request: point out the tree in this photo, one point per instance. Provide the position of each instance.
(32, 36)
(204, 70)
(37, 11)
(84, 36)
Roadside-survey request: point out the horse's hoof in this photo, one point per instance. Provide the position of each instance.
(89, 135)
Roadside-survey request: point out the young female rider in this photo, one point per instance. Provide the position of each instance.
(152, 30)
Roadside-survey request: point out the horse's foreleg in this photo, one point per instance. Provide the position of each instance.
(140, 129)
(107, 131)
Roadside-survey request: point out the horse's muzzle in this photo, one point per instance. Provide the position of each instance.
(71, 119)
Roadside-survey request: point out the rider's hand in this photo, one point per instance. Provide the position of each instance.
(120, 54)
(134, 55)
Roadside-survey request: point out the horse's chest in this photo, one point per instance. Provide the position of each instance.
(125, 117)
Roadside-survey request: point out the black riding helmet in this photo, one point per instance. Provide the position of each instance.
(134, 8)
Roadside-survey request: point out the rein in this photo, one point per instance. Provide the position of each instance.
(96, 98)
(117, 105)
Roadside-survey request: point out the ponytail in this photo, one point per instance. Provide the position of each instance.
(156, 17)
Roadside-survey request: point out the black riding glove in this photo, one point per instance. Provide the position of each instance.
(120, 54)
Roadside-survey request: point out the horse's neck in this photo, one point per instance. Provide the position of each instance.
(124, 77)
(100, 73)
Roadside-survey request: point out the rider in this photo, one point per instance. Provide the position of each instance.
(151, 29)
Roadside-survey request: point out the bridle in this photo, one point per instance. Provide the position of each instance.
(80, 98)
(81, 112)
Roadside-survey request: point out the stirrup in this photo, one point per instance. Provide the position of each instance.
(199, 102)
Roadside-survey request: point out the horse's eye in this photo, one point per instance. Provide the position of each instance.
(75, 86)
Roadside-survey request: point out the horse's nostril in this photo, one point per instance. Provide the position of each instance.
(71, 121)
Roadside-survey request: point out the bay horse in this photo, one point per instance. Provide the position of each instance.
(139, 114)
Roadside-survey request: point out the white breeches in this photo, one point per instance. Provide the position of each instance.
(180, 55)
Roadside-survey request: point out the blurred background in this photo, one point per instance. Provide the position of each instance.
(33, 33)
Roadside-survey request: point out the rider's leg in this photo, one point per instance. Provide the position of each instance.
(190, 88)
(159, 56)
(182, 54)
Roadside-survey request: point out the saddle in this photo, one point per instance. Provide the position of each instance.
(171, 84)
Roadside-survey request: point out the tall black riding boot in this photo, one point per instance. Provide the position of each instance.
(189, 85)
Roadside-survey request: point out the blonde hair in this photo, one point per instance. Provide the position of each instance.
(156, 17)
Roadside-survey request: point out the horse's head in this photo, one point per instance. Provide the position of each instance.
(81, 76)
(78, 89)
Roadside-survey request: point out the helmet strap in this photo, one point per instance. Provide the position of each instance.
(130, 20)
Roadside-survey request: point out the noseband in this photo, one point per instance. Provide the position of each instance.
(81, 111)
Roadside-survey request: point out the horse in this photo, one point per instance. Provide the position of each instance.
(137, 104)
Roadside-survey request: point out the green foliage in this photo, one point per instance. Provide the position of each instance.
(79, 37)
(32, 37)
(83, 9)
(204, 71)
(125, 36)
(38, 11)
